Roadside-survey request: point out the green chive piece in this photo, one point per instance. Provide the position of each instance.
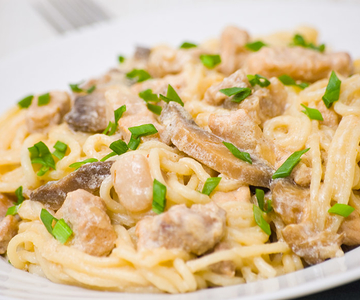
(154, 108)
(19, 195)
(47, 219)
(312, 113)
(13, 210)
(159, 197)
(119, 112)
(91, 89)
(298, 40)
(26, 102)
(143, 130)
(148, 95)
(77, 165)
(210, 61)
(121, 59)
(119, 147)
(260, 196)
(286, 168)
(43, 99)
(332, 92)
(171, 95)
(62, 231)
(239, 93)
(210, 184)
(111, 128)
(138, 75)
(111, 154)
(76, 89)
(255, 46)
(258, 80)
(287, 80)
(40, 154)
(260, 221)
(237, 153)
(134, 143)
(60, 150)
(187, 45)
(341, 210)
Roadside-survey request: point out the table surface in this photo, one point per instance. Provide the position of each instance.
(14, 38)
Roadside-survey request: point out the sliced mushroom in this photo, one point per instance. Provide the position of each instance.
(8, 224)
(209, 148)
(142, 53)
(88, 177)
(88, 113)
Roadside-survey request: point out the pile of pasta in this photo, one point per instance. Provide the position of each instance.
(332, 162)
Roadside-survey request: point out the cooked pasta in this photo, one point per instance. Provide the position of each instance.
(182, 169)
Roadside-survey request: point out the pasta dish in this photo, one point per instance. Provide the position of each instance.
(212, 164)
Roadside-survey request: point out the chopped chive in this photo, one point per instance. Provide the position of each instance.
(134, 142)
(187, 45)
(13, 210)
(143, 130)
(119, 112)
(111, 154)
(159, 197)
(210, 184)
(237, 153)
(112, 126)
(255, 46)
(40, 154)
(154, 108)
(26, 102)
(260, 221)
(62, 231)
(210, 61)
(148, 95)
(298, 40)
(119, 147)
(60, 150)
(239, 93)
(76, 89)
(91, 89)
(287, 80)
(19, 195)
(138, 75)
(171, 95)
(341, 209)
(286, 168)
(258, 80)
(43, 99)
(332, 92)
(260, 196)
(77, 165)
(121, 59)
(47, 219)
(312, 113)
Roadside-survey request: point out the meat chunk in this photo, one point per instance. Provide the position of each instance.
(8, 224)
(331, 118)
(213, 95)
(238, 128)
(350, 227)
(209, 149)
(242, 194)
(40, 118)
(86, 215)
(232, 49)
(298, 62)
(302, 175)
(289, 200)
(197, 229)
(136, 114)
(313, 246)
(226, 267)
(88, 177)
(88, 113)
(133, 182)
(266, 103)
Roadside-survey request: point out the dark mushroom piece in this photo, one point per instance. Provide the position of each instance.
(210, 150)
(88, 177)
(142, 53)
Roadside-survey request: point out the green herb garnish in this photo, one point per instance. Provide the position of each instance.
(154, 108)
(332, 92)
(237, 153)
(77, 165)
(187, 45)
(171, 95)
(312, 113)
(139, 131)
(286, 168)
(148, 96)
(287, 80)
(40, 154)
(26, 102)
(260, 221)
(43, 99)
(298, 40)
(121, 59)
(13, 210)
(255, 46)
(258, 80)
(60, 149)
(210, 61)
(138, 75)
(260, 196)
(159, 197)
(239, 93)
(118, 147)
(76, 89)
(341, 210)
(210, 184)
(112, 126)
(61, 231)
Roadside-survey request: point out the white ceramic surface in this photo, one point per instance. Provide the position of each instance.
(91, 52)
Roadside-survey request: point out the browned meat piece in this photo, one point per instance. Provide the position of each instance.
(209, 149)
(136, 114)
(133, 182)
(301, 175)
(238, 128)
(88, 113)
(197, 229)
(289, 200)
(266, 103)
(88, 177)
(331, 118)
(142, 53)
(39, 118)
(313, 246)
(8, 224)
(232, 49)
(91, 226)
(213, 95)
(226, 267)
(298, 62)
(351, 229)
(242, 194)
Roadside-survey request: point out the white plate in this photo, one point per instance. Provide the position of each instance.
(91, 52)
